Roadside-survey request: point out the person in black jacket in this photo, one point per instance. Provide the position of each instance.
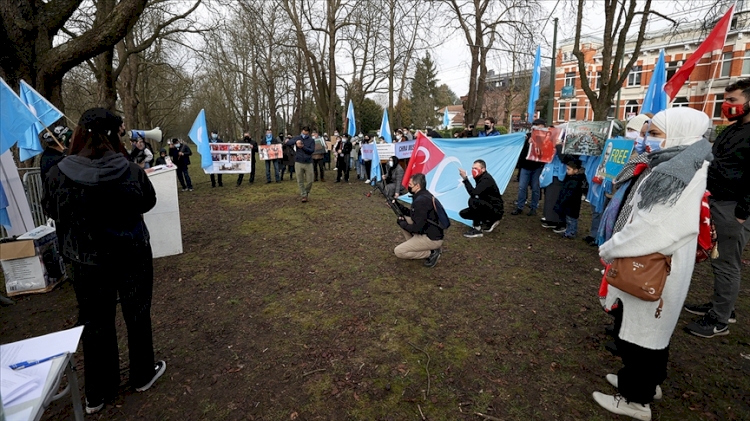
(568, 206)
(343, 149)
(56, 147)
(486, 206)
(254, 147)
(97, 199)
(180, 154)
(729, 183)
(424, 236)
(528, 176)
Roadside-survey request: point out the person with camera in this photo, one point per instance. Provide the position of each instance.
(485, 201)
(420, 225)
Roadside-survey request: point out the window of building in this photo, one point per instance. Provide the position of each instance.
(561, 112)
(672, 67)
(718, 100)
(596, 80)
(634, 77)
(631, 109)
(586, 111)
(746, 63)
(680, 101)
(611, 113)
(570, 79)
(726, 64)
(573, 111)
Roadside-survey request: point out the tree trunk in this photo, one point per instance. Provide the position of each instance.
(331, 121)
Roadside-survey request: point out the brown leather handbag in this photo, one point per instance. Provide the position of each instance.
(642, 277)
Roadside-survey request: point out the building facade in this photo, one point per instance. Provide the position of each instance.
(704, 90)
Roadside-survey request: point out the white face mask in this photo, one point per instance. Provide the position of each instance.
(390, 164)
(176, 145)
(631, 134)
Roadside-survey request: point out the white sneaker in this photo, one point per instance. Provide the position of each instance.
(367, 181)
(612, 379)
(618, 405)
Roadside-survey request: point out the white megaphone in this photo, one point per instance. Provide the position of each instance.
(153, 134)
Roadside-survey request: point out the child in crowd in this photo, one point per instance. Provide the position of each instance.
(568, 205)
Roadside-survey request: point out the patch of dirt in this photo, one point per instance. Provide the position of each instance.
(280, 310)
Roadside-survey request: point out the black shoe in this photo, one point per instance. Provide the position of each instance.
(532, 212)
(221, 185)
(159, 368)
(268, 181)
(433, 259)
(610, 330)
(337, 181)
(516, 211)
(707, 327)
(590, 241)
(213, 186)
(560, 229)
(611, 346)
(702, 310)
(474, 233)
(493, 226)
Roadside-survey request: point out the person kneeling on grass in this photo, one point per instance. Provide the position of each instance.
(485, 201)
(420, 224)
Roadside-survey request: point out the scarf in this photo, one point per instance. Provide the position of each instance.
(671, 171)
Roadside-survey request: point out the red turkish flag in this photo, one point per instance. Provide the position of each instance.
(424, 158)
(715, 41)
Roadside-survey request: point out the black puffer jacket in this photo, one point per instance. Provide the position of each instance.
(97, 206)
(423, 215)
(486, 191)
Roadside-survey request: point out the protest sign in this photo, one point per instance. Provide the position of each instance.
(231, 158)
(616, 154)
(266, 152)
(543, 141)
(586, 137)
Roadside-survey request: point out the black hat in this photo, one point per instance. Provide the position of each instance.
(539, 122)
(100, 120)
(574, 163)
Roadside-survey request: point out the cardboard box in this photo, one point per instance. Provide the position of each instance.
(32, 263)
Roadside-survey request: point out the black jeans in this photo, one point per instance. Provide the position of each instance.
(213, 180)
(184, 178)
(480, 211)
(319, 166)
(643, 370)
(368, 167)
(97, 288)
(342, 165)
(249, 180)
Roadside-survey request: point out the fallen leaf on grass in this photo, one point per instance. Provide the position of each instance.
(293, 416)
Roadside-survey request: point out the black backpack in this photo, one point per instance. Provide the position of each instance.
(443, 220)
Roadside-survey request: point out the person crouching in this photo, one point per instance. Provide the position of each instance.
(420, 225)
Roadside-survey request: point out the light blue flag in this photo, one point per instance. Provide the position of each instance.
(46, 114)
(375, 173)
(446, 118)
(351, 122)
(499, 152)
(656, 99)
(535, 80)
(385, 128)
(199, 134)
(4, 218)
(15, 118)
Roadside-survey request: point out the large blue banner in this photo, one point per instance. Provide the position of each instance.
(499, 152)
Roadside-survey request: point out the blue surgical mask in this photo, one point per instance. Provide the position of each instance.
(269, 137)
(653, 144)
(640, 145)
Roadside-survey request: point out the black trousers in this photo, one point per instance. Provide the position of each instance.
(97, 288)
(342, 165)
(319, 166)
(249, 180)
(213, 180)
(643, 370)
(480, 211)
(368, 167)
(184, 178)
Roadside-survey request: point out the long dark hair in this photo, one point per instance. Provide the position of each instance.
(97, 132)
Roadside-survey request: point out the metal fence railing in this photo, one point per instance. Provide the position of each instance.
(32, 186)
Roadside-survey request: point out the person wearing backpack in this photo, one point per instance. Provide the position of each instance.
(421, 224)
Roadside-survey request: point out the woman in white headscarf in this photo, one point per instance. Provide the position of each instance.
(660, 215)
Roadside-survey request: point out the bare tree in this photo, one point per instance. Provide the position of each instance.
(483, 22)
(30, 26)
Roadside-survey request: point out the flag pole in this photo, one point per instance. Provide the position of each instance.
(721, 53)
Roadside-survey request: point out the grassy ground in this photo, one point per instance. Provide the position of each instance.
(279, 310)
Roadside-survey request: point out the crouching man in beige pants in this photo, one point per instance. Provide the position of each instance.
(424, 236)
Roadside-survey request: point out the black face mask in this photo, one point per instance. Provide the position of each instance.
(247, 138)
(487, 127)
(410, 190)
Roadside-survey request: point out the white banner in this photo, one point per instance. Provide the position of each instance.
(231, 158)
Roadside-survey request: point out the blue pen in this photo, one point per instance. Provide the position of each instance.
(31, 363)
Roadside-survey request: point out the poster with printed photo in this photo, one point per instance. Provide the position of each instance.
(542, 144)
(616, 154)
(586, 137)
(266, 152)
(231, 158)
